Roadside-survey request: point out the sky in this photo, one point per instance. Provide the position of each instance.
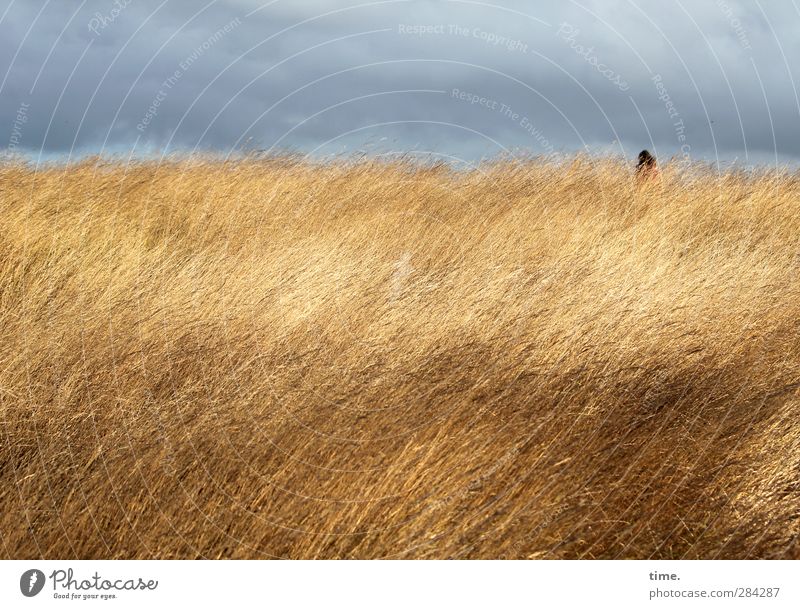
(457, 80)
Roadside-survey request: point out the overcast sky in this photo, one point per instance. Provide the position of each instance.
(460, 79)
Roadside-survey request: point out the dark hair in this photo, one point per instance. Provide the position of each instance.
(646, 160)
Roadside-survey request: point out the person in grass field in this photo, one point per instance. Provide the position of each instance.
(646, 168)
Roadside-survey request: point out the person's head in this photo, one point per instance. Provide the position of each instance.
(646, 160)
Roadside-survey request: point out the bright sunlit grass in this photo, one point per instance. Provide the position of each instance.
(275, 358)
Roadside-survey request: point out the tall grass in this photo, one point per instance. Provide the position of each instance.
(273, 358)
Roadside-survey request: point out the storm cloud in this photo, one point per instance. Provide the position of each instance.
(456, 79)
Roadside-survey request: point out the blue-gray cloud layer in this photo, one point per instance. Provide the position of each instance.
(463, 79)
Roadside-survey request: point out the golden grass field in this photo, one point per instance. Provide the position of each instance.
(354, 359)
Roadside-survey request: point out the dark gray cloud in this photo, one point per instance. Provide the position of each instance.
(462, 78)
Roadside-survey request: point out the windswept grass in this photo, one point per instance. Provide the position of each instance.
(277, 359)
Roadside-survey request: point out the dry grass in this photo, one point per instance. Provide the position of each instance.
(275, 359)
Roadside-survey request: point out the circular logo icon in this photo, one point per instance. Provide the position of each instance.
(31, 582)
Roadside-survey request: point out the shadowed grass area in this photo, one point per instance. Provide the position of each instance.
(273, 358)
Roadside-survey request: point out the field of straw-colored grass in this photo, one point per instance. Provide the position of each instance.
(273, 358)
